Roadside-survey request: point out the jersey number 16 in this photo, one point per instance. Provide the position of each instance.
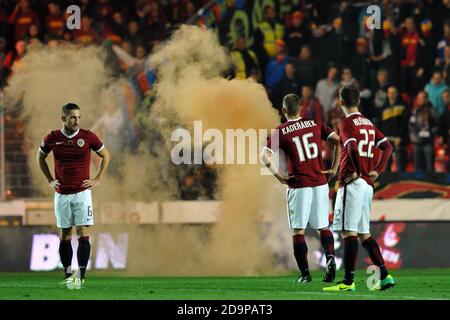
(311, 149)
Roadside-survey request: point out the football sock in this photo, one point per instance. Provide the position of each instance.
(375, 255)
(301, 253)
(350, 255)
(83, 252)
(65, 253)
(327, 240)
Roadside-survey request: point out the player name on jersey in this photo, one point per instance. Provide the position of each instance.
(297, 126)
(362, 122)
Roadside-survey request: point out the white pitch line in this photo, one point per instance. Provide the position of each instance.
(309, 292)
(2, 285)
(372, 297)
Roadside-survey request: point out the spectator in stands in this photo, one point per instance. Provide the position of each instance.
(380, 93)
(335, 115)
(434, 90)
(2, 57)
(14, 56)
(118, 25)
(176, 12)
(389, 58)
(54, 22)
(275, 67)
(310, 106)
(110, 25)
(394, 125)
(141, 53)
(33, 36)
(3, 44)
(244, 60)
(288, 84)
(306, 67)
(444, 41)
(21, 18)
(229, 25)
(426, 53)
(410, 42)
(134, 35)
(445, 124)
(331, 44)
(444, 64)
(268, 32)
(365, 94)
(3, 22)
(156, 27)
(297, 35)
(423, 127)
(347, 78)
(326, 90)
(86, 35)
(361, 63)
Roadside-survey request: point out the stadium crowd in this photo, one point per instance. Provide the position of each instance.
(310, 48)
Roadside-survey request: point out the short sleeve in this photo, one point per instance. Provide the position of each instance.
(46, 145)
(95, 143)
(379, 138)
(325, 131)
(346, 133)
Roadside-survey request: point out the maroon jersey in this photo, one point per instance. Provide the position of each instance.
(301, 141)
(72, 157)
(355, 127)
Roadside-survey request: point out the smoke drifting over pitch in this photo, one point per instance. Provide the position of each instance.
(190, 83)
(189, 88)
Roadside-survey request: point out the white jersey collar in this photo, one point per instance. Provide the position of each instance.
(296, 119)
(72, 135)
(353, 113)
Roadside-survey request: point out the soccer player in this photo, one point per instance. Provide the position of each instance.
(71, 148)
(357, 171)
(307, 194)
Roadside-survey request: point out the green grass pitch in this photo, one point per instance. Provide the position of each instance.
(411, 284)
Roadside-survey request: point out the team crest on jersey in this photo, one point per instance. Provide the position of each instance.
(80, 143)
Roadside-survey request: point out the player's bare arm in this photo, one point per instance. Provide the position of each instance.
(41, 159)
(334, 140)
(267, 158)
(104, 154)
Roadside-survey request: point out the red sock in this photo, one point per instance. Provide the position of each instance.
(327, 240)
(301, 253)
(375, 255)
(350, 256)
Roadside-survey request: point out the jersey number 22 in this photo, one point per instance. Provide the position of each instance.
(367, 141)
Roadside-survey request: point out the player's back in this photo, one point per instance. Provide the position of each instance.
(301, 141)
(356, 127)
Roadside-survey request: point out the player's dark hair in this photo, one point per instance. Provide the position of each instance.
(291, 103)
(69, 106)
(349, 94)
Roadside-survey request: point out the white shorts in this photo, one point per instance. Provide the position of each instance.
(308, 205)
(74, 209)
(353, 206)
